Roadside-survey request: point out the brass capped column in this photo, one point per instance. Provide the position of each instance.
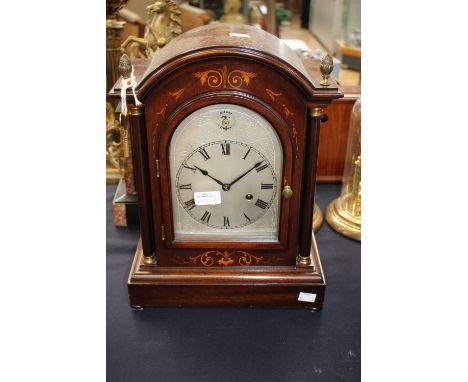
(317, 214)
(310, 172)
(138, 136)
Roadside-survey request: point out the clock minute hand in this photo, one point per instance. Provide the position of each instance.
(204, 172)
(245, 173)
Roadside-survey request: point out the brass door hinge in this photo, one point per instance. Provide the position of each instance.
(157, 168)
(163, 233)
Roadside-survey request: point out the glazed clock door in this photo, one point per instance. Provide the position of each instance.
(223, 169)
(226, 164)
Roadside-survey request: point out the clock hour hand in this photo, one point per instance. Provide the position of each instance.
(245, 173)
(204, 172)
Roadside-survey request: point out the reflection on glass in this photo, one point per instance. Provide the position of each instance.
(344, 213)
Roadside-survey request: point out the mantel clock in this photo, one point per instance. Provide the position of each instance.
(225, 155)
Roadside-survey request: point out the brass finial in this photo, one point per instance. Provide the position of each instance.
(125, 68)
(326, 67)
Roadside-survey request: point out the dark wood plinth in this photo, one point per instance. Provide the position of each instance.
(150, 285)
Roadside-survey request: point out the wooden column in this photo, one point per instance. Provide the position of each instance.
(310, 173)
(140, 161)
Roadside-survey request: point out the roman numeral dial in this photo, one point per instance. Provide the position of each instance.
(189, 204)
(226, 185)
(204, 153)
(226, 148)
(184, 186)
(261, 203)
(206, 217)
(261, 168)
(221, 174)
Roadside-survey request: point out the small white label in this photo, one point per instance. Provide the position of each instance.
(307, 297)
(207, 198)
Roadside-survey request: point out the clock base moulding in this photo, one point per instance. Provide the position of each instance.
(152, 285)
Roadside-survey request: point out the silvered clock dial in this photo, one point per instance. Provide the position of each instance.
(226, 164)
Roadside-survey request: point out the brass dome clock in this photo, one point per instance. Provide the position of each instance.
(225, 155)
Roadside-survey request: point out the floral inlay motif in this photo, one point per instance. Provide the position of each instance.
(223, 77)
(217, 257)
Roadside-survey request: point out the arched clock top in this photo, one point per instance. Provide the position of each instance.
(240, 43)
(226, 36)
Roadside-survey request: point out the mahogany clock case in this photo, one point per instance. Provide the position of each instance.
(196, 97)
(240, 65)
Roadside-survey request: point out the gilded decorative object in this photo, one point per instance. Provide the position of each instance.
(113, 145)
(255, 17)
(326, 67)
(344, 213)
(113, 6)
(114, 130)
(214, 78)
(124, 69)
(163, 24)
(114, 30)
(317, 218)
(232, 13)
